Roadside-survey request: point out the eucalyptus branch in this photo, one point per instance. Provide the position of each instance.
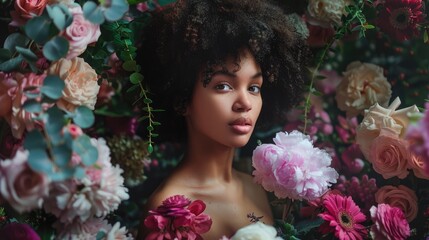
(355, 13)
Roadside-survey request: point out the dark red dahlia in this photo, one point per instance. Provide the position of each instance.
(399, 18)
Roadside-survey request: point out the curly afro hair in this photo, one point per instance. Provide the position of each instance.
(192, 36)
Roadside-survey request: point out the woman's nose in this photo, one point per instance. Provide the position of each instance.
(242, 102)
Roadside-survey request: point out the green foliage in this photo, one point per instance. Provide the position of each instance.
(52, 87)
(56, 48)
(88, 153)
(83, 117)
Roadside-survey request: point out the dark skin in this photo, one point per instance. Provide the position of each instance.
(206, 171)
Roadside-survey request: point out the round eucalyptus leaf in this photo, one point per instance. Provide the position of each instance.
(39, 161)
(136, 77)
(27, 54)
(84, 117)
(129, 65)
(56, 48)
(37, 28)
(15, 40)
(67, 14)
(11, 64)
(57, 16)
(79, 172)
(116, 10)
(5, 54)
(93, 13)
(61, 155)
(54, 123)
(87, 152)
(53, 87)
(32, 106)
(34, 140)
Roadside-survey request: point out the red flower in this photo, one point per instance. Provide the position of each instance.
(399, 18)
(343, 217)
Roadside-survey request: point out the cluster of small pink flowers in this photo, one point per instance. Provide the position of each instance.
(362, 190)
(293, 167)
(178, 218)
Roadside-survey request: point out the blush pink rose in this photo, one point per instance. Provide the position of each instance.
(26, 9)
(402, 197)
(23, 188)
(12, 98)
(389, 155)
(80, 33)
(81, 83)
(389, 223)
(418, 165)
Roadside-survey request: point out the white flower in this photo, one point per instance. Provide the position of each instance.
(117, 233)
(326, 12)
(256, 231)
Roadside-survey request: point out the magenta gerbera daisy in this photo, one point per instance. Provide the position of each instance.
(343, 217)
(399, 18)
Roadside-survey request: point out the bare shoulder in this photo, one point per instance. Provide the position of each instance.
(249, 183)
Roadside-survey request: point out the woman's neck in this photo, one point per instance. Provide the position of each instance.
(209, 163)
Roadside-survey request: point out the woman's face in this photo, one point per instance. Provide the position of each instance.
(226, 110)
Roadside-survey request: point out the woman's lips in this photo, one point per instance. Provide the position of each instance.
(241, 125)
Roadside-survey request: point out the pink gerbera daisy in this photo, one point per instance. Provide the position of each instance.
(343, 218)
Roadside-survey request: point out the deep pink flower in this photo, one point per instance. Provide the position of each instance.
(344, 218)
(353, 159)
(346, 128)
(14, 231)
(389, 223)
(399, 18)
(299, 170)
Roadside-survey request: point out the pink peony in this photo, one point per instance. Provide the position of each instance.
(389, 155)
(343, 217)
(401, 197)
(23, 188)
(80, 33)
(299, 170)
(18, 231)
(389, 223)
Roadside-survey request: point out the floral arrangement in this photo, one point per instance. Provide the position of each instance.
(68, 76)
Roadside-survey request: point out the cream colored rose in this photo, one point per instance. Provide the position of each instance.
(326, 12)
(20, 186)
(362, 86)
(376, 118)
(401, 197)
(81, 87)
(389, 155)
(256, 231)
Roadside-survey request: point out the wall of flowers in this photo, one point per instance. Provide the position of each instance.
(78, 141)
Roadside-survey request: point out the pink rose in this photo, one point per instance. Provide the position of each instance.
(81, 86)
(418, 165)
(20, 186)
(401, 197)
(389, 223)
(80, 33)
(26, 9)
(389, 155)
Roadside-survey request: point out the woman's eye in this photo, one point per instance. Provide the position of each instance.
(223, 87)
(255, 89)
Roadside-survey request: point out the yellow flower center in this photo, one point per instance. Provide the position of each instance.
(345, 220)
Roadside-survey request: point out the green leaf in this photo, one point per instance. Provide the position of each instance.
(425, 37)
(15, 40)
(147, 100)
(62, 155)
(129, 65)
(136, 77)
(88, 153)
(53, 87)
(27, 54)
(149, 128)
(61, 16)
(34, 140)
(39, 161)
(37, 28)
(5, 55)
(100, 235)
(54, 123)
(32, 106)
(307, 225)
(84, 117)
(11, 64)
(116, 10)
(93, 13)
(56, 48)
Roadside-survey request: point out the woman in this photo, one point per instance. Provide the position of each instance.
(211, 65)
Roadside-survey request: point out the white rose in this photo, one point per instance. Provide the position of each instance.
(81, 87)
(20, 186)
(376, 118)
(362, 86)
(326, 12)
(256, 231)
